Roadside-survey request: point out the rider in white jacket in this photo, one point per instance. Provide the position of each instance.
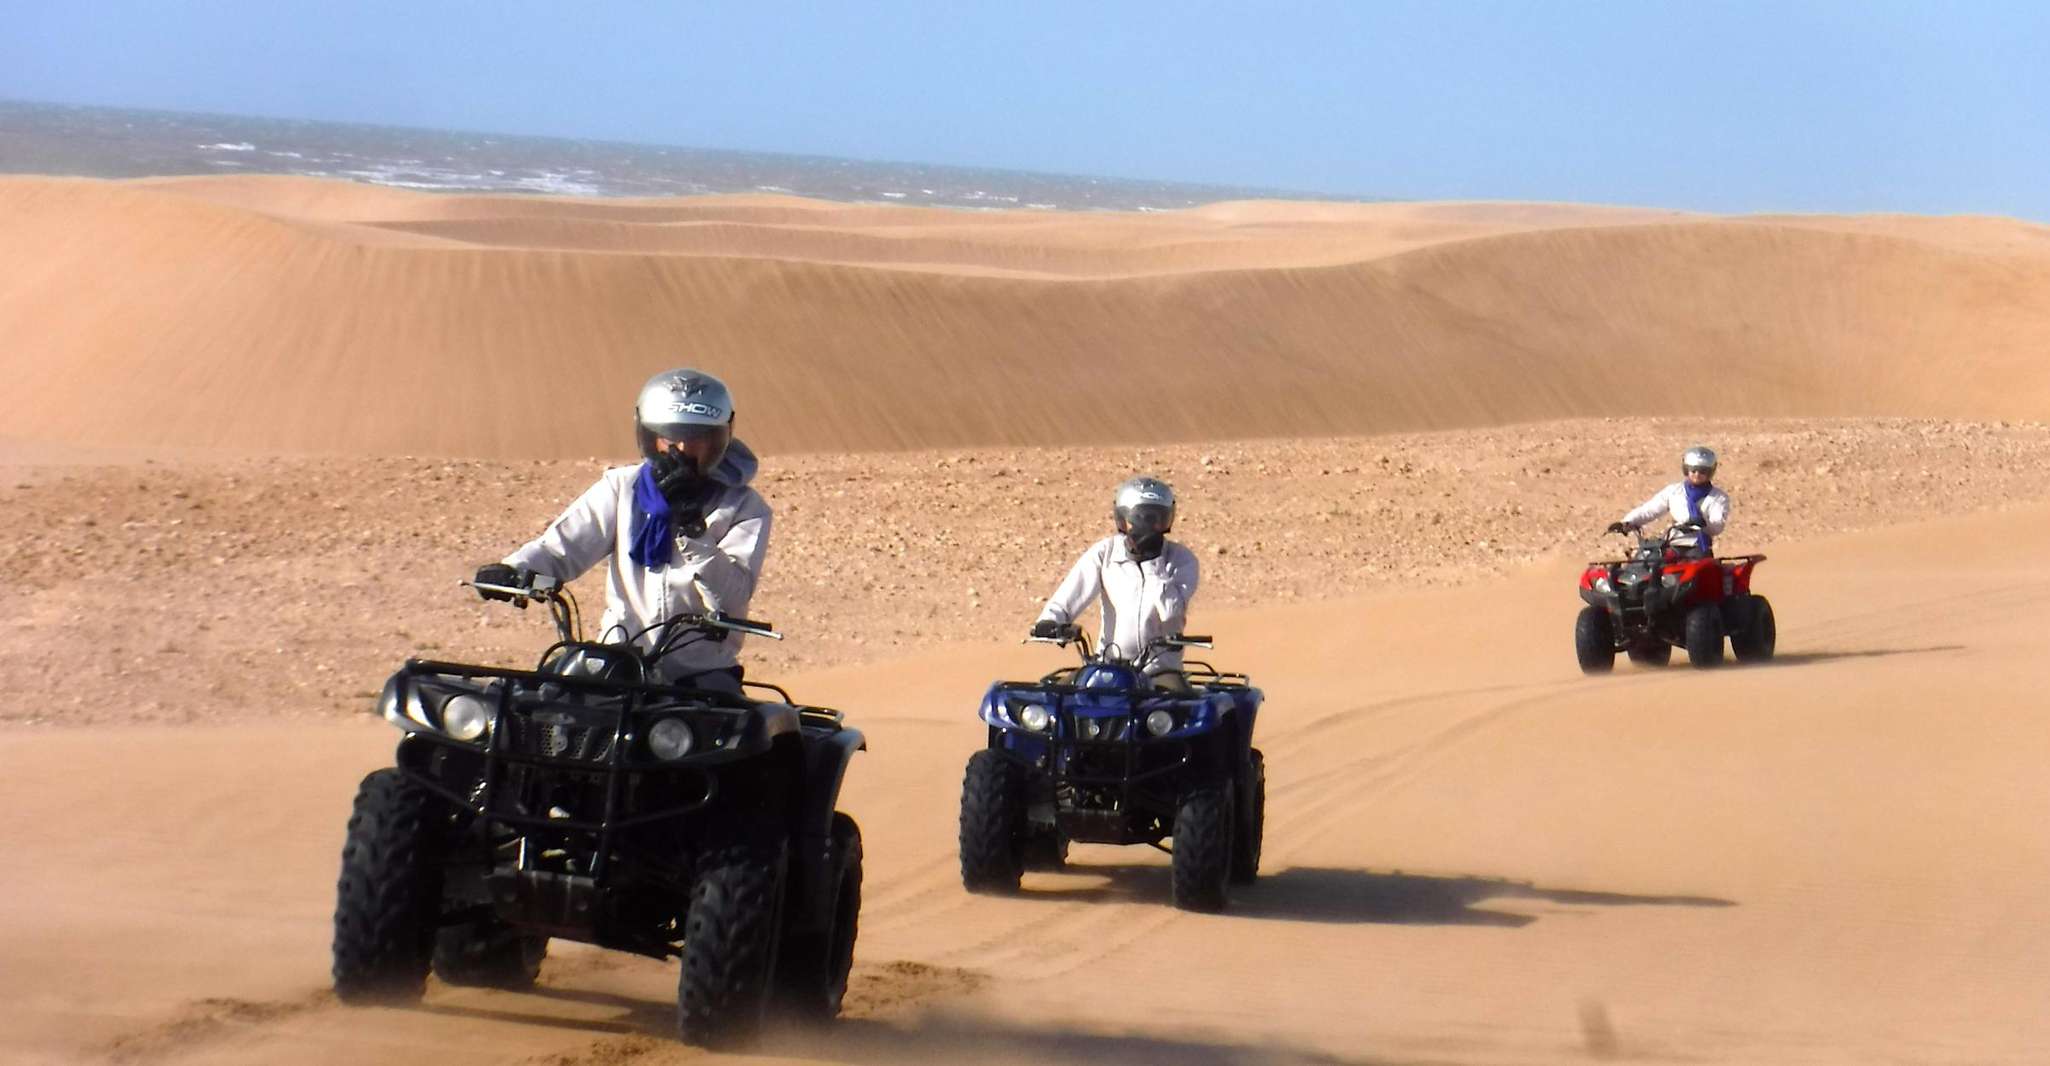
(1695, 499)
(680, 533)
(1143, 581)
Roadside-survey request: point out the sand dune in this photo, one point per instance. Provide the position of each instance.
(838, 330)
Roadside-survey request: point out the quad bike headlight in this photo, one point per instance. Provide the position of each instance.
(1601, 584)
(1160, 723)
(1033, 716)
(465, 716)
(670, 738)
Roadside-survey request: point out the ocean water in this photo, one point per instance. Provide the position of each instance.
(37, 138)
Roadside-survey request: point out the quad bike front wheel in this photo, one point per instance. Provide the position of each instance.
(730, 942)
(1705, 636)
(1594, 641)
(992, 823)
(388, 899)
(1203, 847)
(1252, 827)
(1756, 642)
(811, 972)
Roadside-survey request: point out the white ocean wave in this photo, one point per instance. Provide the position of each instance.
(241, 146)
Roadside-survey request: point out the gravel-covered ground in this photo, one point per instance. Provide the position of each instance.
(192, 589)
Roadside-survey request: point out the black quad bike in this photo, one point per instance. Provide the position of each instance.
(1099, 753)
(1661, 597)
(585, 800)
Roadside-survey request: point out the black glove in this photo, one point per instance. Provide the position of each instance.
(689, 493)
(500, 574)
(1620, 527)
(1048, 629)
(676, 474)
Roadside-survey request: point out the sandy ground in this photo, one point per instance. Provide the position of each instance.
(1475, 855)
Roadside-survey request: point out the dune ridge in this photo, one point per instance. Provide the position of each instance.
(512, 328)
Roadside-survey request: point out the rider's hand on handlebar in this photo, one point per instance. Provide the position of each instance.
(500, 574)
(1620, 527)
(1048, 629)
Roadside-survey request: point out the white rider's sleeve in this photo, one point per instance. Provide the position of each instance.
(1715, 512)
(1080, 588)
(725, 573)
(1177, 586)
(1649, 510)
(578, 539)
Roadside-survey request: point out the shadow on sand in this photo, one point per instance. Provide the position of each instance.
(1316, 894)
(913, 1031)
(1803, 658)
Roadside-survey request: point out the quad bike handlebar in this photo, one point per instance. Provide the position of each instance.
(1069, 633)
(676, 630)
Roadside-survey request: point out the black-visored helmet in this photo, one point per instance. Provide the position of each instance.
(1144, 506)
(689, 408)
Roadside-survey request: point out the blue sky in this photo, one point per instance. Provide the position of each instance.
(1875, 106)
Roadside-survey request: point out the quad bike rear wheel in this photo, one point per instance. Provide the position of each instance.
(1651, 653)
(1756, 642)
(811, 970)
(388, 900)
(1045, 850)
(1594, 641)
(1252, 827)
(730, 942)
(992, 823)
(1203, 847)
(1705, 636)
(488, 954)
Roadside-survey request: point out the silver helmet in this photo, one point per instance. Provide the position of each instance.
(1699, 457)
(689, 408)
(1144, 505)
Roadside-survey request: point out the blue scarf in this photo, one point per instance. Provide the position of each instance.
(1696, 494)
(653, 540)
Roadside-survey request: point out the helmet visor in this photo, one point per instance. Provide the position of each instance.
(1146, 519)
(704, 445)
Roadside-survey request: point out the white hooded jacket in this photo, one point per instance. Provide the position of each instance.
(715, 572)
(1672, 502)
(1142, 602)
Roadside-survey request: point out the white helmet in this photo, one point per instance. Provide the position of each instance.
(1699, 457)
(685, 406)
(1144, 505)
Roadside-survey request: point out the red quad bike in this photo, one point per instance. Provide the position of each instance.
(1661, 597)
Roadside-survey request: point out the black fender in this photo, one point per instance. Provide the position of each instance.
(825, 766)
(826, 757)
(761, 730)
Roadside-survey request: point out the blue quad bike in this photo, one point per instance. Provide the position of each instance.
(1100, 753)
(585, 800)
